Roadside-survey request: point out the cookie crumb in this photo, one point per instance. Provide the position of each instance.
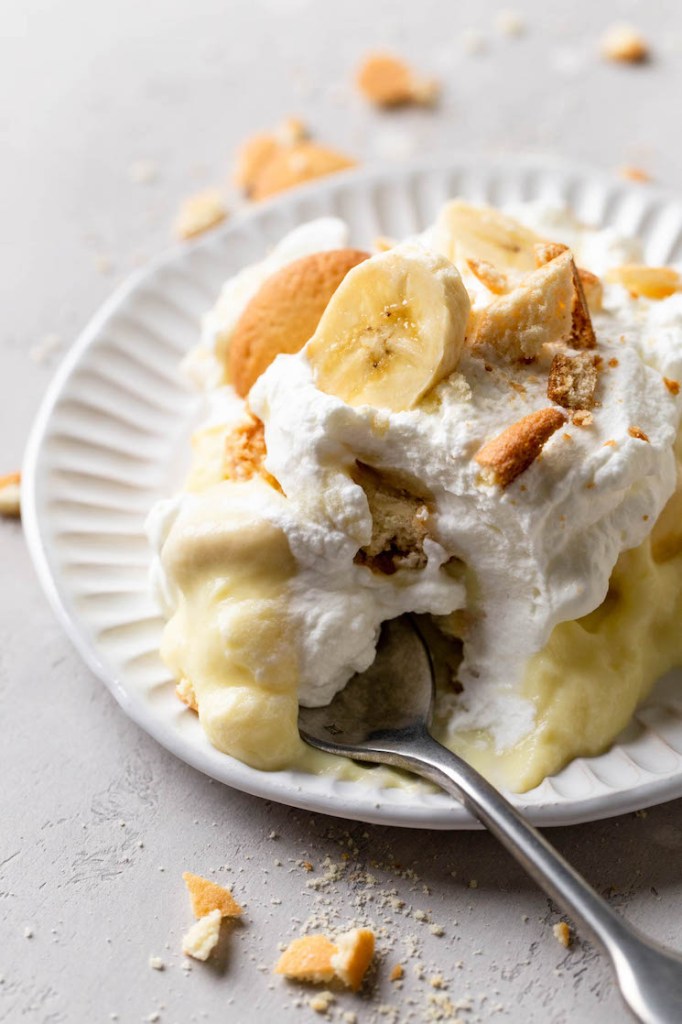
(562, 933)
(207, 896)
(624, 44)
(388, 81)
(156, 963)
(199, 213)
(202, 938)
(638, 433)
(321, 1003)
(673, 386)
(397, 973)
(10, 495)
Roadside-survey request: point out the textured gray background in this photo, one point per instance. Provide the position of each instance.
(97, 821)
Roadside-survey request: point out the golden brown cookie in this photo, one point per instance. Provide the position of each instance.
(284, 313)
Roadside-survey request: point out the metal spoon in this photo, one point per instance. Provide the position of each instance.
(383, 715)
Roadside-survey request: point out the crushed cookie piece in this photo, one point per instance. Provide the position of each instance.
(185, 691)
(630, 173)
(321, 1003)
(307, 866)
(572, 381)
(582, 418)
(624, 44)
(315, 958)
(399, 523)
(307, 959)
(200, 213)
(510, 453)
(271, 162)
(548, 305)
(397, 973)
(673, 386)
(202, 938)
(537, 311)
(388, 81)
(562, 933)
(207, 896)
(638, 433)
(294, 165)
(252, 158)
(494, 280)
(10, 495)
(646, 282)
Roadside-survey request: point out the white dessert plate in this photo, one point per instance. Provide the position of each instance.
(111, 438)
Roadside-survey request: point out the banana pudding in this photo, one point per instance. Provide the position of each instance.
(477, 425)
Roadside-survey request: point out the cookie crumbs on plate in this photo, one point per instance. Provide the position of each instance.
(437, 929)
(10, 495)
(673, 386)
(562, 933)
(388, 81)
(207, 896)
(202, 938)
(624, 44)
(397, 973)
(199, 213)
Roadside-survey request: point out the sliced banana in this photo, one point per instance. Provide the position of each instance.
(394, 327)
(467, 232)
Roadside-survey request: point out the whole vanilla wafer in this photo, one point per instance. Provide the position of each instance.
(284, 313)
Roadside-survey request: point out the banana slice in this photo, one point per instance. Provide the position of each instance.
(465, 232)
(394, 327)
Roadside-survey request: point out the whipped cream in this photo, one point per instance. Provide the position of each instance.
(535, 554)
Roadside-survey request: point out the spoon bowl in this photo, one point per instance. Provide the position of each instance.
(383, 715)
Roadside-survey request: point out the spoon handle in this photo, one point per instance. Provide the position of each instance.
(650, 977)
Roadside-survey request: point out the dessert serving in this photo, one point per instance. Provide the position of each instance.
(477, 425)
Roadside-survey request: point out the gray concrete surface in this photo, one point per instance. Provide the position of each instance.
(98, 822)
